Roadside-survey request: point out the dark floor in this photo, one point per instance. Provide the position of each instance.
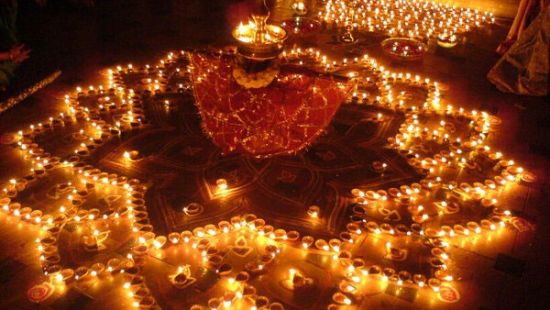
(80, 41)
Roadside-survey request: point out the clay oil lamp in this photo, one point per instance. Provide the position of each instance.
(394, 253)
(404, 277)
(182, 278)
(431, 232)
(335, 245)
(90, 243)
(292, 235)
(5, 203)
(299, 7)
(261, 302)
(473, 227)
(147, 302)
(215, 303)
(225, 226)
(341, 299)
(401, 229)
(322, 245)
(394, 192)
(159, 242)
(299, 23)
(296, 280)
(487, 224)
(451, 208)
(192, 209)
(263, 261)
(419, 279)
(434, 284)
(65, 275)
(387, 228)
(357, 192)
(373, 227)
(313, 212)
(187, 236)
(307, 241)
(94, 241)
(97, 269)
(359, 210)
(345, 258)
(404, 49)
(279, 234)
(132, 155)
(82, 274)
(447, 40)
(225, 270)
(113, 265)
(347, 286)
(242, 277)
(353, 228)
(174, 237)
(272, 250)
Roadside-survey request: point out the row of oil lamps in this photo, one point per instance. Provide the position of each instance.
(135, 209)
(408, 18)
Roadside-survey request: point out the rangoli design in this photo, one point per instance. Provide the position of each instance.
(104, 190)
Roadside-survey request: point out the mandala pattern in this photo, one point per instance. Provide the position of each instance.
(390, 232)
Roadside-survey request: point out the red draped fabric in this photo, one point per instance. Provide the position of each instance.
(281, 118)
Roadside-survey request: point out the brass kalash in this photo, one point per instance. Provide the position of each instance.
(258, 47)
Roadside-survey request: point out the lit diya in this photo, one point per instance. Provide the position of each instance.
(221, 185)
(404, 48)
(132, 155)
(193, 209)
(301, 26)
(182, 278)
(395, 254)
(296, 280)
(341, 299)
(94, 241)
(447, 40)
(258, 40)
(299, 7)
(379, 166)
(313, 211)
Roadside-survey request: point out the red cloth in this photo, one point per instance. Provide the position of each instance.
(281, 118)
